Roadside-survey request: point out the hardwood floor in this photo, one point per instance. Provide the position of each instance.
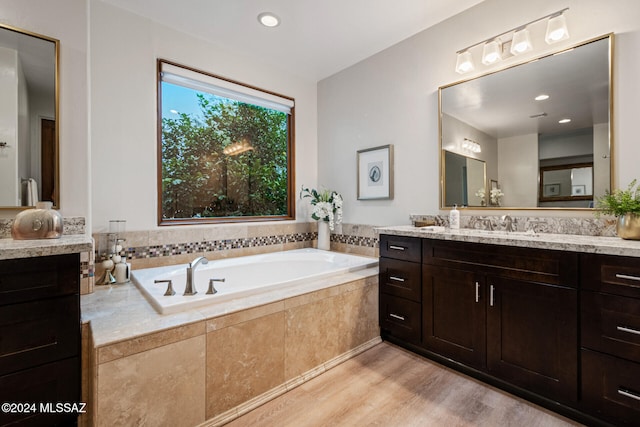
(388, 386)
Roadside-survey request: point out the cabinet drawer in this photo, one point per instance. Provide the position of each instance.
(51, 383)
(399, 247)
(611, 387)
(611, 324)
(400, 317)
(400, 278)
(34, 278)
(38, 332)
(540, 265)
(611, 274)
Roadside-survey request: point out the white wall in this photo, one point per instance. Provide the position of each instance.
(392, 97)
(518, 170)
(65, 20)
(124, 49)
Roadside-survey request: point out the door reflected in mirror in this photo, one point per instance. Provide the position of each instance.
(28, 119)
(534, 117)
(466, 180)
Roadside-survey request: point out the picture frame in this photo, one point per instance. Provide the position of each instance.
(551, 190)
(578, 190)
(375, 173)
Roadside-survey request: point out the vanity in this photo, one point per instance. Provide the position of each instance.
(551, 318)
(40, 330)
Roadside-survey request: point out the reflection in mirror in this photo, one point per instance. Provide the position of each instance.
(28, 116)
(567, 183)
(516, 118)
(466, 180)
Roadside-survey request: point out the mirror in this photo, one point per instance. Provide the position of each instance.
(28, 119)
(466, 180)
(522, 140)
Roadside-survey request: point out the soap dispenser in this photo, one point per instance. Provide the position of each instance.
(454, 218)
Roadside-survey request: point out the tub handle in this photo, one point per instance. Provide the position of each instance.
(212, 290)
(170, 290)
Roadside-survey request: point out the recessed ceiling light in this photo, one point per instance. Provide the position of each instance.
(564, 121)
(541, 97)
(268, 19)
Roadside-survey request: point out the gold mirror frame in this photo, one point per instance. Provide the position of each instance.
(442, 186)
(56, 142)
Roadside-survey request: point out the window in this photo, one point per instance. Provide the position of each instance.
(225, 150)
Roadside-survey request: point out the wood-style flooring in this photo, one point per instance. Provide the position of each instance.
(388, 386)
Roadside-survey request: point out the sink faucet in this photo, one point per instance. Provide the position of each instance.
(189, 289)
(508, 223)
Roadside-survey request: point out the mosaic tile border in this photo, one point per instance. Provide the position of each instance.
(157, 251)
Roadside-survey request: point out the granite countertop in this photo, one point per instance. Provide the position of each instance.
(563, 242)
(11, 249)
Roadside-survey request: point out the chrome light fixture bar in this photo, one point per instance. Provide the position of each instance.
(492, 50)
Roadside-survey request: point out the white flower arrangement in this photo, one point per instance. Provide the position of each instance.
(496, 194)
(327, 205)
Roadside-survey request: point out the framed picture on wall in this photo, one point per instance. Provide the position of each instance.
(375, 173)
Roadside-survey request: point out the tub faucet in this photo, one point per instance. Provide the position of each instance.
(189, 289)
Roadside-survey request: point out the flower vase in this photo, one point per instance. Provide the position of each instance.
(324, 236)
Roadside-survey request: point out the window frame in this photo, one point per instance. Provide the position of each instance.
(291, 202)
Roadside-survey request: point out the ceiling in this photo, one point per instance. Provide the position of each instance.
(315, 39)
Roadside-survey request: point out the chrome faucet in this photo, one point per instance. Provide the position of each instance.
(189, 289)
(508, 223)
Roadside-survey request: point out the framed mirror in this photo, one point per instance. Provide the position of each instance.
(529, 119)
(29, 146)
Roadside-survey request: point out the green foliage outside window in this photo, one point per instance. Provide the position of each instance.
(199, 180)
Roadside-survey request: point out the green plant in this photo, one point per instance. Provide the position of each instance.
(620, 202)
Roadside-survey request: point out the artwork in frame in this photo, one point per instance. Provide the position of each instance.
(375, 173)
(578, 190)
(551, 190)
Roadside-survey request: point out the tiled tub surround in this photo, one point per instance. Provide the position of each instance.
(162, 247)
(215, 363)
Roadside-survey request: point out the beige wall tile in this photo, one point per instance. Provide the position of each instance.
(311, 335)
(160, 387)
(149, 342)
(244, 361)
(244, 316)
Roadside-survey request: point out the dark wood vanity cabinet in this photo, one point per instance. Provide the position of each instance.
(511, 312)
(400, 309)
(39, 338)
(610, 331)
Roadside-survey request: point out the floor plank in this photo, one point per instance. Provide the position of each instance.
(388, 386)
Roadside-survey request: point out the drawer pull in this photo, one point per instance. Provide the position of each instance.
(626, 276)
(491, 289)
(477, 292)
(395, 316)
(396, 248)
(397, 279)
(628, 393)
(629, 330)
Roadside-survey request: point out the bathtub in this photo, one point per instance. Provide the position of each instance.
(245, 277)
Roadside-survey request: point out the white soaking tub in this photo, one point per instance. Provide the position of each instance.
(244, 277)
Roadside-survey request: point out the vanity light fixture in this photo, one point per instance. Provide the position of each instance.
(556, 29)
(491, 52)
(494, 48)
(471, 145)
(521, 42)
(268, 19)
(464, 63)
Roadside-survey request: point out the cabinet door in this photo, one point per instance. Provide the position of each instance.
(453, 314)
(532, 336)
